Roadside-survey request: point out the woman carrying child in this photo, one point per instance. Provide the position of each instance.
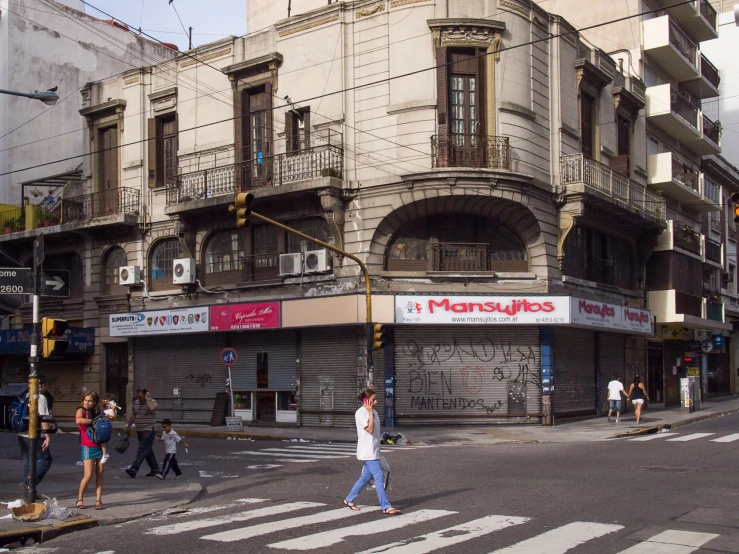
(92, 453)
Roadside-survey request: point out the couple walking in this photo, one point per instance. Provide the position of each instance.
(637, 393)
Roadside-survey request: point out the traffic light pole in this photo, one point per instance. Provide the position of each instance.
(368, 290)
(33, 360)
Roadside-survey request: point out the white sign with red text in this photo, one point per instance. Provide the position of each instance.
(591, 313)
(636, 320)
(483, 310)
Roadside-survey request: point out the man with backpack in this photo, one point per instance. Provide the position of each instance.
(144, 415)
(20, 426)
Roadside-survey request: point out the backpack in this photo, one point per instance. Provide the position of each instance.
(100, 430)
(18, 414)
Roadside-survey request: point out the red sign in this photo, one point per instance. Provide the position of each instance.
(235, 317)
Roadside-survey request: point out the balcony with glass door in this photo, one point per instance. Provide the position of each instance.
(681, 181)
(698, 18)
(681, 237)
(693, 312)
(670, 47)
(673, 112)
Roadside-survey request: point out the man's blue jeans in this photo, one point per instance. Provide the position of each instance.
(43, 459)
(371, 469)
(145, 451)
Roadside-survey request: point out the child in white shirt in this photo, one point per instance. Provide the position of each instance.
(170, 438)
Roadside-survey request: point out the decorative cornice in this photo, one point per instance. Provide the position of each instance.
(624, 98)
(370, 11)
(97, 111)
(399, 3)
(163, 94)
(131, 81)
(592, 73)
(206, 57)
(515, 7)
(270, 62)
(306, 26)
(467, 32)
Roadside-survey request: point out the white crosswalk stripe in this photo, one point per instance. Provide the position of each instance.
(653, 437)
(329, 538)
(671, 542)
(692, 437)
(313, 452)
(727, 438)
(562, 539)
(448, 537)
(291, 455)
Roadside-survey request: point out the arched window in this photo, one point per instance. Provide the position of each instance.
(161, 262)
(313, 227)
(456, 242)
(223, 258)
(115, 258)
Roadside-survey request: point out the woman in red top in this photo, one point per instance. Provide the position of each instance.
(91, 451)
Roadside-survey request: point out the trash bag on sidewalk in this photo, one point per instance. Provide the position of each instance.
(55, 511)
(396, 439)
(122, 445)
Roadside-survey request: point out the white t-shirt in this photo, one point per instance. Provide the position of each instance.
(368, 446)
(43, 409)
(614, 390)
(170, 441)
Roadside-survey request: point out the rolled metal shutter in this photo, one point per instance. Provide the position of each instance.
(188, 362)
(574, 372)
(282, 353)
(611, 362)
(446, 374)
(328, 376)
(64, 382)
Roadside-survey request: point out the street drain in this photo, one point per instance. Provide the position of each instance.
(665, 469)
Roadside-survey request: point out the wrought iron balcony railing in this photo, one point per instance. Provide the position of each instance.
(685, 175)
(710, 72)
(325, 160)
(261, 267)
(710, 130)
(709, 12)
(711, 190)
(124, 200)
(682, 42)
(454, 256)
(474, 151)
(713, 251)
(578, 168)
(680, 105)
(686, 238)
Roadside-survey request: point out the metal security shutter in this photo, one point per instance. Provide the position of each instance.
(611, 362)
(188, 362)
(328, 376)
(574, 372)
(282, 353)
(448, 374)
(65, 384)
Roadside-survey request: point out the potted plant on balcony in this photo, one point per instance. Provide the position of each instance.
(10, 225)
(329, 172)
(36, 192)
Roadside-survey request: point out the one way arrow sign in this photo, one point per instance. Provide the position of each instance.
(55, 282)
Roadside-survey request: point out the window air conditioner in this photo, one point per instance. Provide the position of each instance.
(129, 275)
(317, 261)
(290, 264)
(183, 271)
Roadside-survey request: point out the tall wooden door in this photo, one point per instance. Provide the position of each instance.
(106, 201)
(465, 121)
(256, 139)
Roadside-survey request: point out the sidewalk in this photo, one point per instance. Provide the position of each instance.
(563, 431)
(122, 504)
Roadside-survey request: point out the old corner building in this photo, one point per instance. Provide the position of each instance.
(515, 236)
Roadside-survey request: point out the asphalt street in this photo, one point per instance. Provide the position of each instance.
(672, 493)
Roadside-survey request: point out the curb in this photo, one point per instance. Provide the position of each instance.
(48, 532)
(118, 520)
(658, 428)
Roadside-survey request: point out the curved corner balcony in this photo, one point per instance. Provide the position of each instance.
(471, 151)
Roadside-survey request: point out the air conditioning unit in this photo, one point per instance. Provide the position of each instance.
(290, 264)
(317, 261)
(129, 275)
(183, 271)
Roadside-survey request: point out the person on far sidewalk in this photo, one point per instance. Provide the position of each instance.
(170, 438)
(144, 415)
(615, 389)
(637, 393)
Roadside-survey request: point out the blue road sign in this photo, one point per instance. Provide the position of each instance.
(229, 357)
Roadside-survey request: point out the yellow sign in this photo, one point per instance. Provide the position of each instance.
(693, 372)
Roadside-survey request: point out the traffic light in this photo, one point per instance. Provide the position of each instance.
(243, 201)
(735, 201)
(52, 332)
(378, 336)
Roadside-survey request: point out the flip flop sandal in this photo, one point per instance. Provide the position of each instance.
(99, 505)
(80, 505)
(352, 506)
(391, 512)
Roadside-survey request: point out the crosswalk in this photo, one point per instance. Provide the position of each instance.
(677, 437)
(323, 527)
(308, 453)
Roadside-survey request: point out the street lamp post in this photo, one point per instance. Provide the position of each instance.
(49, 97)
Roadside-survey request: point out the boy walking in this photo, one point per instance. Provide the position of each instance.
(170, 438)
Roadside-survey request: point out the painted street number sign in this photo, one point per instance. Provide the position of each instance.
(229, 357)
(15, 280)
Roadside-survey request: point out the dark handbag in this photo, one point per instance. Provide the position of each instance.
(122, 445)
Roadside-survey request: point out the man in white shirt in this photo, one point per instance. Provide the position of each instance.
(43, 454)
(615, 389)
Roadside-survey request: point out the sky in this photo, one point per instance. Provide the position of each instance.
(210, 19)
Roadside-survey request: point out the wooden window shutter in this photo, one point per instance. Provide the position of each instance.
(442, 83)
(151, 144)
(289, 143)
(240, 107)
(482, 93)
(268, 131)
(306, 128)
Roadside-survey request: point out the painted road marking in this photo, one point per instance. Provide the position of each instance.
(671, 542)
(691, 437)
(727, 438)
(291, 455)
(312, 452)
(294, 461)
(329, 538)
(449, 537)
(275, 526)
(562, 539)
(265, 466)
(231, 518)
(655, 436)
(207, 509)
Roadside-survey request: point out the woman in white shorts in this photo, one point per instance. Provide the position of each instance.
(637, 394)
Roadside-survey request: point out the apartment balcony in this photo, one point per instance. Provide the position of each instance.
(471, 151)
(697, 18)
(313, 168)
(693, 312)
(709, 141)
(668, 173)
(681, 238)
(707, 86)
(713, 253)
(578, 173)
(671, 48)
(673, 113)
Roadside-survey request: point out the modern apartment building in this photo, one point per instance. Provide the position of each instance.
(494, 181)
